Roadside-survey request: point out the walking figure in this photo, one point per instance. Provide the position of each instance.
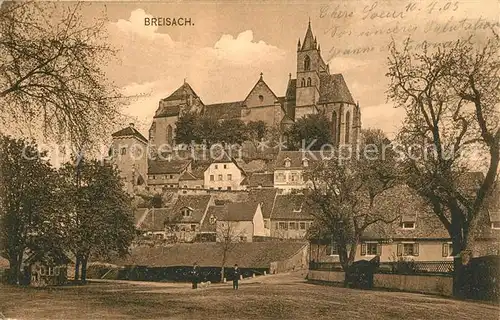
(195, 273)
(236, 276)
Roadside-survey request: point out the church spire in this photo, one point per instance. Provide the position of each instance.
(309, 42)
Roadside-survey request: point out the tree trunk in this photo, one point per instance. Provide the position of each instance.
(14, 267)
(77, 268)
(84, 269)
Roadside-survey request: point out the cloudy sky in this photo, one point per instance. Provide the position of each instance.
(228, 45)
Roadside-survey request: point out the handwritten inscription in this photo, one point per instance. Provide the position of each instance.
(379, 22)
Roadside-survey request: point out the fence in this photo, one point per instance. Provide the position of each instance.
(398, 267)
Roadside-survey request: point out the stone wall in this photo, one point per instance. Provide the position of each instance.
(298, 261)
(436, 284)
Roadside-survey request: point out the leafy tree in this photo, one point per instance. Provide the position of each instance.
(451, 97)
(350, 196)
(208, 131)
(30, 204)
(102, 221)
(232, 131)
(51, 74)
(186, 129)
(306, 130)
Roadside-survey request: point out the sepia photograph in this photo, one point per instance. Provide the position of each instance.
(268, 159)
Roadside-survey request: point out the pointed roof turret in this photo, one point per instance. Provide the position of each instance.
(308, 39)
(298, 45)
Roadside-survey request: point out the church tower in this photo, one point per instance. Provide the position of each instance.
(309, 66)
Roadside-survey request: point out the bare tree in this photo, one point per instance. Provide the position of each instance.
(51, 76)
(451, 98)
(350, 196)
(227, 238)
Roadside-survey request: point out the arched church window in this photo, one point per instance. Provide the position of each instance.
(307, 63)
(169, 135)
(308, 82)
(347, 126)
(334, 126)
(302, 82)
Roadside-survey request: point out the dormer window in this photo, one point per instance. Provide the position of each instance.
(298, 209)
(408, 225)
(495, 225)
(213, 219)
(305, 162)
(186, 212)
(123, 151)
(287, 162)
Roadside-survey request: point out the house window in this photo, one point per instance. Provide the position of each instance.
(266, 224)
(193, 227)
(371, 249)
(228, 188)
(308, 82)
(42, 270)
(293, 177)
(56, 271)
(261, 98)
(220, 177)
(225, 166)
(123, 151)
(212, 219)
(212, 177)
(220, 188)
(333, 249)
(50, 271)
(282, 225)
(186, 212)
(408, 225)
(302, 82)
(243, 238)
(495, 225)
(408, 249)
(447, 250)
(302, 226)
(293, 226)
(216, 166)
(152, 177)
(280, 176)
(229, 177)
(171, 176)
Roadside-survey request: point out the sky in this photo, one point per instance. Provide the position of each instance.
(228, 45)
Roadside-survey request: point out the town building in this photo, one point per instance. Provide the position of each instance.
(165, 174)
(291, 217)
(239, 222)
(128, 152)
(224, 174)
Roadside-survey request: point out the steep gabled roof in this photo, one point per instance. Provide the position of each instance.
(167, 166)
(291, 207)
(261, 81)
(130, 131)
(168, 111)
(188, 176)
(198, 204)
(181, 93)
(238, 211)
(225, 110)
(334, 89)
(266, 198)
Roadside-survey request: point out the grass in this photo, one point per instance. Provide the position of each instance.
(271, 297)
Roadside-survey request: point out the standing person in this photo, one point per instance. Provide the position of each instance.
(195, 273)
(236, 276)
